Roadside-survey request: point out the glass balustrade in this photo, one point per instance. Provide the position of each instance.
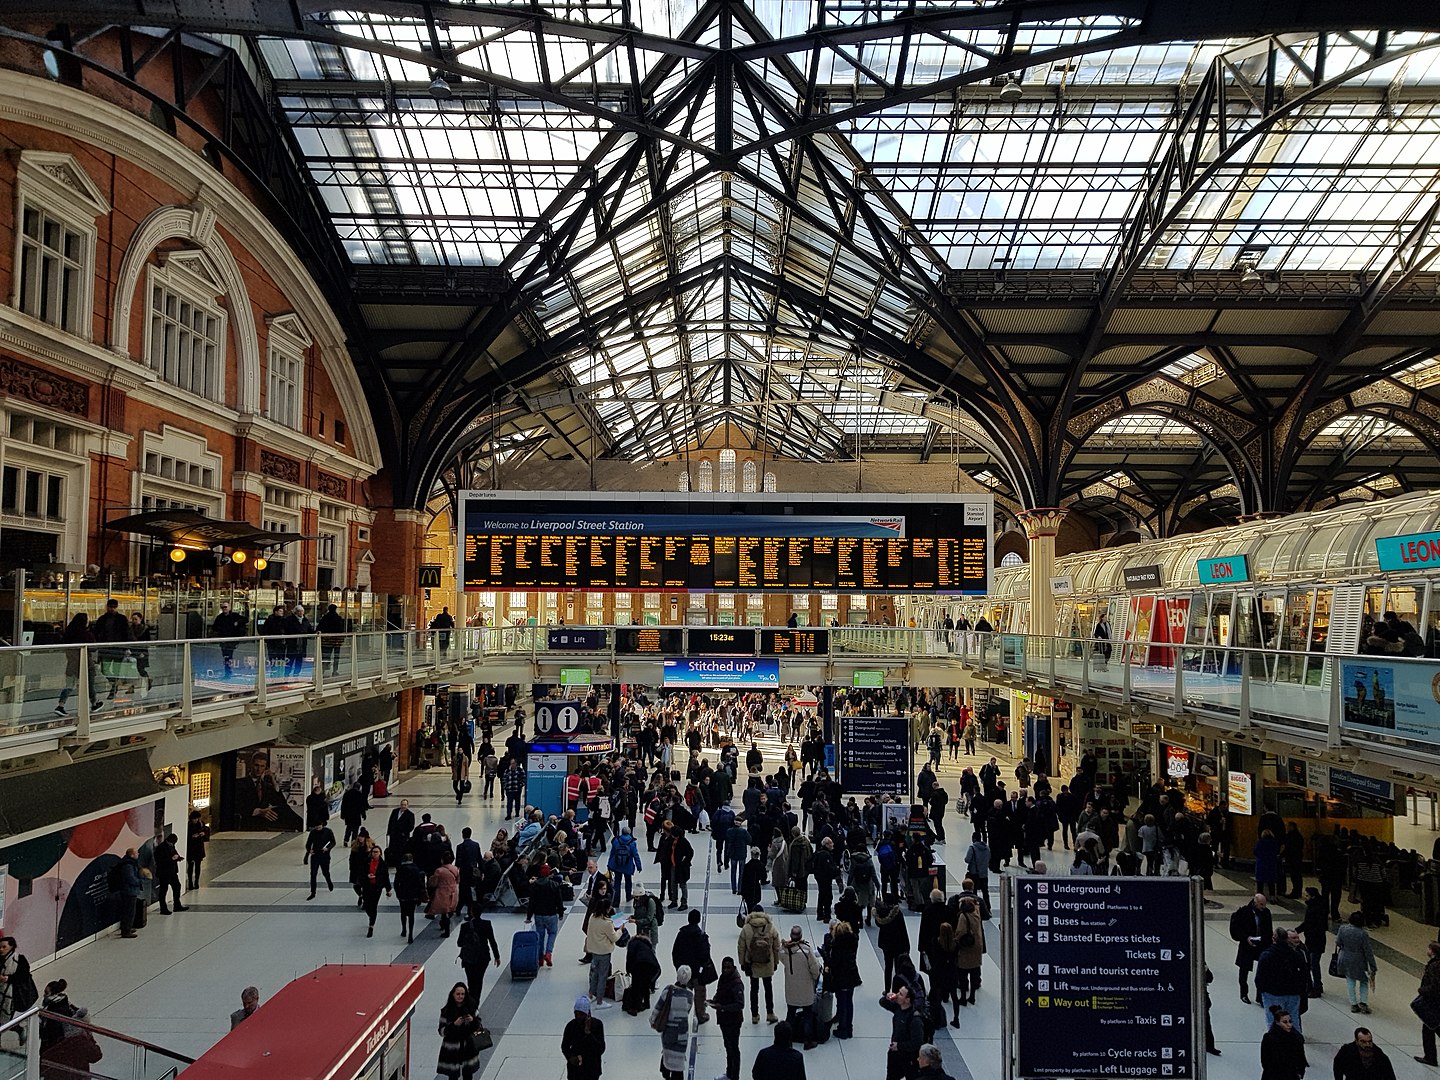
(84, 690)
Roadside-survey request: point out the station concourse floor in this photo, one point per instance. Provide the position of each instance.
(176, 984)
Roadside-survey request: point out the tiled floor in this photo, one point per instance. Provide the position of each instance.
(177, 983)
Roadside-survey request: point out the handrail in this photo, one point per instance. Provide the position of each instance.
(29, 1022)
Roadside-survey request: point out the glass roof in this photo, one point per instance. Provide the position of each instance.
(698, 249)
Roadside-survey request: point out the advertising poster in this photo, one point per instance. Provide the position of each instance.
(291, 779)
(1169, 626)
(1392, 698)
(1012, 651)
(54, 891)
(1139, 625)
(737, 673)
(1240, 792)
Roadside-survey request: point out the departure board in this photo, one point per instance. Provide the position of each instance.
(649, 640)
(942, 546)
(794, 642)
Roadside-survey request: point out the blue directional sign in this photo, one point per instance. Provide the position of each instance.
(875, 755)
(1105, 977)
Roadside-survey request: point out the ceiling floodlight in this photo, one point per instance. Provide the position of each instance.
(1249, 272)
(440, 89)
(1012, 91)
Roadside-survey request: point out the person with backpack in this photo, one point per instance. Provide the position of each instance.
(887, 854)
(477, 948)
(977, 866)
(649, 915)
(624, 861)
(127, 887)
(863, 880)
(802, 972)
(758, 951)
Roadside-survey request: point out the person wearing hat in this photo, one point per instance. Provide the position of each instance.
(583, 1043)
(547, 903)
(674, 1007)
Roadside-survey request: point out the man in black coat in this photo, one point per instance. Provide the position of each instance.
(401, 824)
(1252, 928)
(228, 624)
(692, 947)
(826, 868)
(780, 1061)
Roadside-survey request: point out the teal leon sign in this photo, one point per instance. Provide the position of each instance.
(1224, 570)
(1415, 551)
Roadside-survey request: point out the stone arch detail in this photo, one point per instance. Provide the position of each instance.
(196, 225)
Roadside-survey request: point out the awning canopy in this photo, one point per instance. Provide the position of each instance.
(192, 528)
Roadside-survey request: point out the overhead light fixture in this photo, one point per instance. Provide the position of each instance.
(439, 88)
(1249, 272)
(1012, 91)
(177, 555)
(261, 563)
(238, 557)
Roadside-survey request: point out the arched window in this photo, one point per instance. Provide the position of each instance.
(769, 481)
(1012, 558)
(684, 479)
(727, 470)
(748, 476)
(707, 476)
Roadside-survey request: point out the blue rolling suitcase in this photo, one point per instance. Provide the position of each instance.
(525, 955)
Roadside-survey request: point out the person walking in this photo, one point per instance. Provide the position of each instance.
(459, 1018)
(692, 950)
(671, 1018)
(970, 948)
(1356, 961)
(893, 937)
(1267, 864)
(1282, 1049)
(1281, 978)
(77, 633)
(374, 876)
(547, 904)
(583, 1043)
(478, 949)
(841, 953)
(1315, 928)
(624, 862)
(318, 846)
(1252, 928)
(729, 1006)
(197, 835)
(411, 892)
(444, 886)
(758, 952)
(1361, 1059)
(1427, 1004)
(17, 986)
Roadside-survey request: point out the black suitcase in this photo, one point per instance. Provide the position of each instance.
(633, 1000)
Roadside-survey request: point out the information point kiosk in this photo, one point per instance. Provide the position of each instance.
(557, 747)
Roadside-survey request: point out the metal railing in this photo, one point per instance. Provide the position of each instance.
(82, 1050)
(91, 692)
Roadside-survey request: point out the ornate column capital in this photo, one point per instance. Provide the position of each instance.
(1042, 521)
